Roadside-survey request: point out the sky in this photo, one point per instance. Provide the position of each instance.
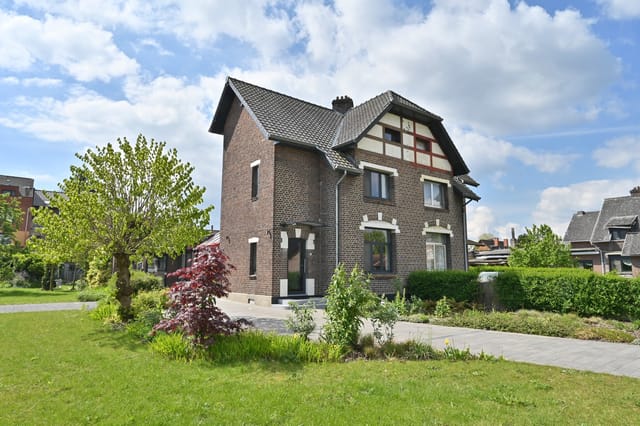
(542, 98)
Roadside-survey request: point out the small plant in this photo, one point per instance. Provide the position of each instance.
(301, 320)
(106, 311)
(173, 346)
(349, 299)
(443, 308)
(91, 295)
(383, 319)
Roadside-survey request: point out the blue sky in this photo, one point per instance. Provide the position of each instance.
(542, 98)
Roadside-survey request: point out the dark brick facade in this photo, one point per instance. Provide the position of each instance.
(296, 198)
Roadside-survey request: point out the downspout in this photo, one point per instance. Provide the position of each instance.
(464, 235)
(337, 216)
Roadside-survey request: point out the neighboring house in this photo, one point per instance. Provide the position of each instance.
(608, 240)
(306, 187)
(20, 189)
(492, 251)
(164, 265)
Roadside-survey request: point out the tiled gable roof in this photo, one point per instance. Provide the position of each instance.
(287, 119)
(581, 226)
(621, 221)
(614, 207)
(631, 246)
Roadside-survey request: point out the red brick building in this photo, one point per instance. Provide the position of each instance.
(306, 187)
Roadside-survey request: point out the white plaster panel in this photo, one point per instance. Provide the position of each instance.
(407, 125)
(391, 119)
(423, 130)
(311, 241)
(284, 288)
(441, 163)
(254, 240)
(376, 131)
(407, 139)
(435, 148)
(310, 286)
(409, 155)
(393, 151)
(424, 159)
(371, 145)
(285, 240)
(298, 232)
(255, 163)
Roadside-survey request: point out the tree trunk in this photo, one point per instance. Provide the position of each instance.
(124, 291)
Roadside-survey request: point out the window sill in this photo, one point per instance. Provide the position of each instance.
(379, 201)
(443, 209)
(383, 275)
(254, 198)
(252, 277)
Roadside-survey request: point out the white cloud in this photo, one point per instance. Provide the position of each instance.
(557, 205)
(621, 9)
(485, 155)
(502, 69)
(479, 221)
(149, 42)
(31, 82)
(618, 153)
(166, 108)
(81, 49)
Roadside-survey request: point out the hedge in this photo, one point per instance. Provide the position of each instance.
(433, 285)
(569, 290)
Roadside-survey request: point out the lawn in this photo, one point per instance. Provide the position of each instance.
(20, 296)
(64, 368)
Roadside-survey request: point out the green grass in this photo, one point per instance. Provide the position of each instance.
(20, 296)
(64, 368)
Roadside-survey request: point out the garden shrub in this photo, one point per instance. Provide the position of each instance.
(192, 308)
(173, 346)
(384, 316)
(433, 285)
(349, 300)
(141, 281)
(91, 295)
(569, 290)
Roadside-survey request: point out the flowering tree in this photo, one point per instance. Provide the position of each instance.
(192, 300)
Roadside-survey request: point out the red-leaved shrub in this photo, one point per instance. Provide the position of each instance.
(192, 300)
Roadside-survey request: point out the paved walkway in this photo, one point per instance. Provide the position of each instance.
(600, 357)
(41, 307)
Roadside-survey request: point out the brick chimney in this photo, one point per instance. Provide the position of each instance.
(342, 104)
(635, 192)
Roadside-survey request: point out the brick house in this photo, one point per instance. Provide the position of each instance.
(20, 189)
(306, 187)
(608, 240)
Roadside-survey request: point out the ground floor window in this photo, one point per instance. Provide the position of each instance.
(436, 251)
(377, 250)
(620, 264)
(253, 258)
(586, 264)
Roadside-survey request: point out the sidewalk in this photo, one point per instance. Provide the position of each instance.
(41, 307)
(600, 357)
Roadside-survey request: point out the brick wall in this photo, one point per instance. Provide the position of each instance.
(242, 218)
(407, 208)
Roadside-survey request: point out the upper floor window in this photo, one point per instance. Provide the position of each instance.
(255, 166)
(434, 194)
(377, 185)
(423, 144)
(9, 192)
(436, 251)
(377, 250)
(392, 135)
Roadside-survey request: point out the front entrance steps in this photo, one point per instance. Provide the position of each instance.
(319, 302)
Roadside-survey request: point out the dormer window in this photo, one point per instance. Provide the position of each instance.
(618, 233)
